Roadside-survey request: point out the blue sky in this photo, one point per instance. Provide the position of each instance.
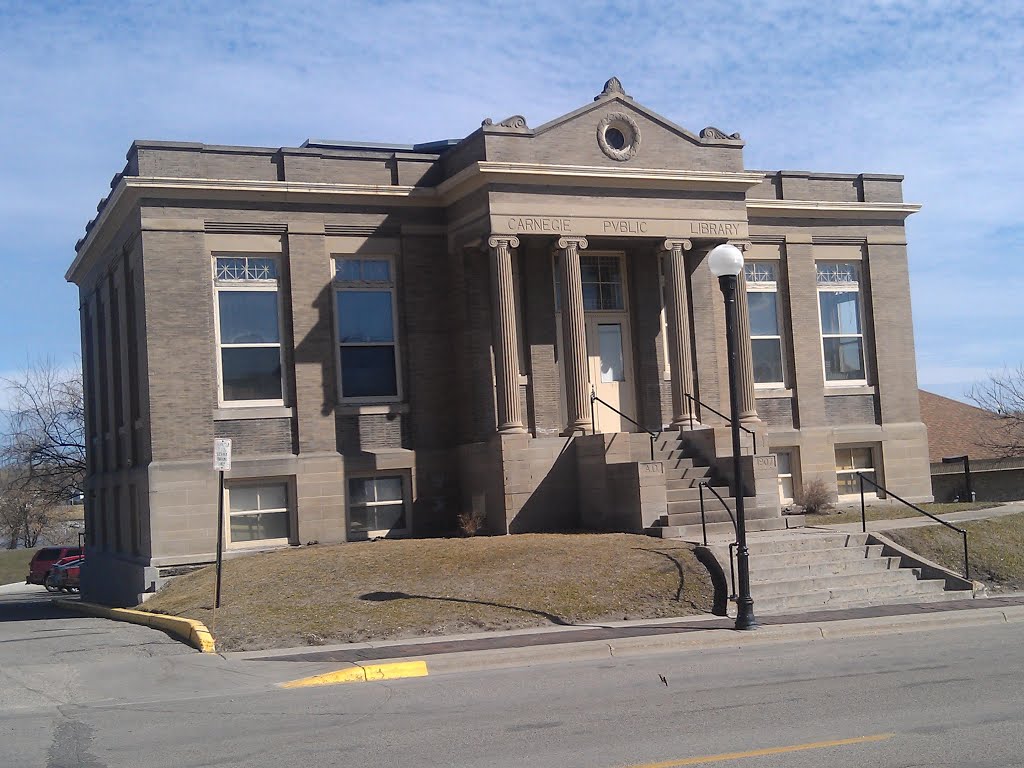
(931, 90)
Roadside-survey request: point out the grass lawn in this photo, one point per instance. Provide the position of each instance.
(887, 512)
(14, 565)
(995, 547)
(409, 588)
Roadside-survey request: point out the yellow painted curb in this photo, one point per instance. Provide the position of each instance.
(362, 674)
(190, 631)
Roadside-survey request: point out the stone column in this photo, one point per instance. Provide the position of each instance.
(748, 405)
(506, 342)
(574, 335)
(677, 317)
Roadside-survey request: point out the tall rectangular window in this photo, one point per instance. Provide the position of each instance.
(248, 330)
(849, 463)
(258, 512)
(364, 292)
(376, 505)
(842, 327)
(765, 330)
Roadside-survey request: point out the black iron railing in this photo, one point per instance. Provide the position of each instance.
(887, 492)
(593, 419)
(695, 402)
(704, 529)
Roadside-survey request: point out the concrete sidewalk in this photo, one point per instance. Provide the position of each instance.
(1002, 510)
(616, 639)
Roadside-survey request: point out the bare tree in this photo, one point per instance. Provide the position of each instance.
(1002, 395)
(42, 443)
(24, 516)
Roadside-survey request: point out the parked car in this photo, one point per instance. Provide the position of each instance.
(65, 575)
(43, 560)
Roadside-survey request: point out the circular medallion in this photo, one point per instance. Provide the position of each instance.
(618, 135)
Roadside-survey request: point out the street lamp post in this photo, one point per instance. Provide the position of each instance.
(726, 262)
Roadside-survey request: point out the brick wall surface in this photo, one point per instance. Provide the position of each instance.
(180, 335)
(776, 412)
(256, 436)
(358, 433)
(851, 409)
(541, 340)
(648, 356)
(428, 353)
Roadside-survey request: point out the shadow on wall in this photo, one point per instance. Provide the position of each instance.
(553, 504)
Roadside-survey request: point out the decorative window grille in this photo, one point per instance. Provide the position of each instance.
(840, 313)
(248, 330)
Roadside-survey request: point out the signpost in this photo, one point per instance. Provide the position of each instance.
(222, 464)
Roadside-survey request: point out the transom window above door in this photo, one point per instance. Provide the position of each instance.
(603, 284)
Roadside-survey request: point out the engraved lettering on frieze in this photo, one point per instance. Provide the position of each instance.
(539, 224)
(652, 468)
(766, 462)
(625, 227)
(714, 228)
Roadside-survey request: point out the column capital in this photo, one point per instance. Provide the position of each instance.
(743, 245)
(496, 241)
(568, 242)
(673, 244)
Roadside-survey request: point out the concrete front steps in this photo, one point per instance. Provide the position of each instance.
(801, 570)
(682, 480)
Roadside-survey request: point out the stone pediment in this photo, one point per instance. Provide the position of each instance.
(613, 92)
(613, 129)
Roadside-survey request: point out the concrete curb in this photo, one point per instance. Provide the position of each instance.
(594, 650)
(190, 631)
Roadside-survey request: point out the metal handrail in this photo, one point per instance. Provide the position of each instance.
(704, 528)
(593, 419)
(887, 492)
(693, 400)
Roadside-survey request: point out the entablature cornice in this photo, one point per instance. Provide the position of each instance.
(821, 209)
(484, 172)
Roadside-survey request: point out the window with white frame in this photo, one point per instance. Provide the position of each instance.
(257, 512)
(248, 330)
(765, 330)
(786, 486)
(376, 505)
(842, 324)
(849, 463)
(364, 290)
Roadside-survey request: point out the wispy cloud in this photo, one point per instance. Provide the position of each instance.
(932, 90)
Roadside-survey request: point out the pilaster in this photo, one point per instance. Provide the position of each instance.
(312, 341)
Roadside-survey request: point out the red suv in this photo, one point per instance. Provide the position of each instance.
(43, 560)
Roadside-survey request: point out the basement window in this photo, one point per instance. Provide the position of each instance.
(851, 461)
(377, 506)
(257, 512)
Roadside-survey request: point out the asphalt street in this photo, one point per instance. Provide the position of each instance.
(87, 692)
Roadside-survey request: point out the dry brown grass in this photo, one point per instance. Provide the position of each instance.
(396, 589)
(892, 512)
(14, 565)
(995, 547)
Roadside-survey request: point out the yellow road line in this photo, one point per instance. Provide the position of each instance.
(363, 673)
(767, 751)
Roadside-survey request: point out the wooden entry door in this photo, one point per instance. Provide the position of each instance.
(611, 369)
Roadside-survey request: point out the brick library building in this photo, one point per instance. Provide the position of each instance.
(518, 327)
